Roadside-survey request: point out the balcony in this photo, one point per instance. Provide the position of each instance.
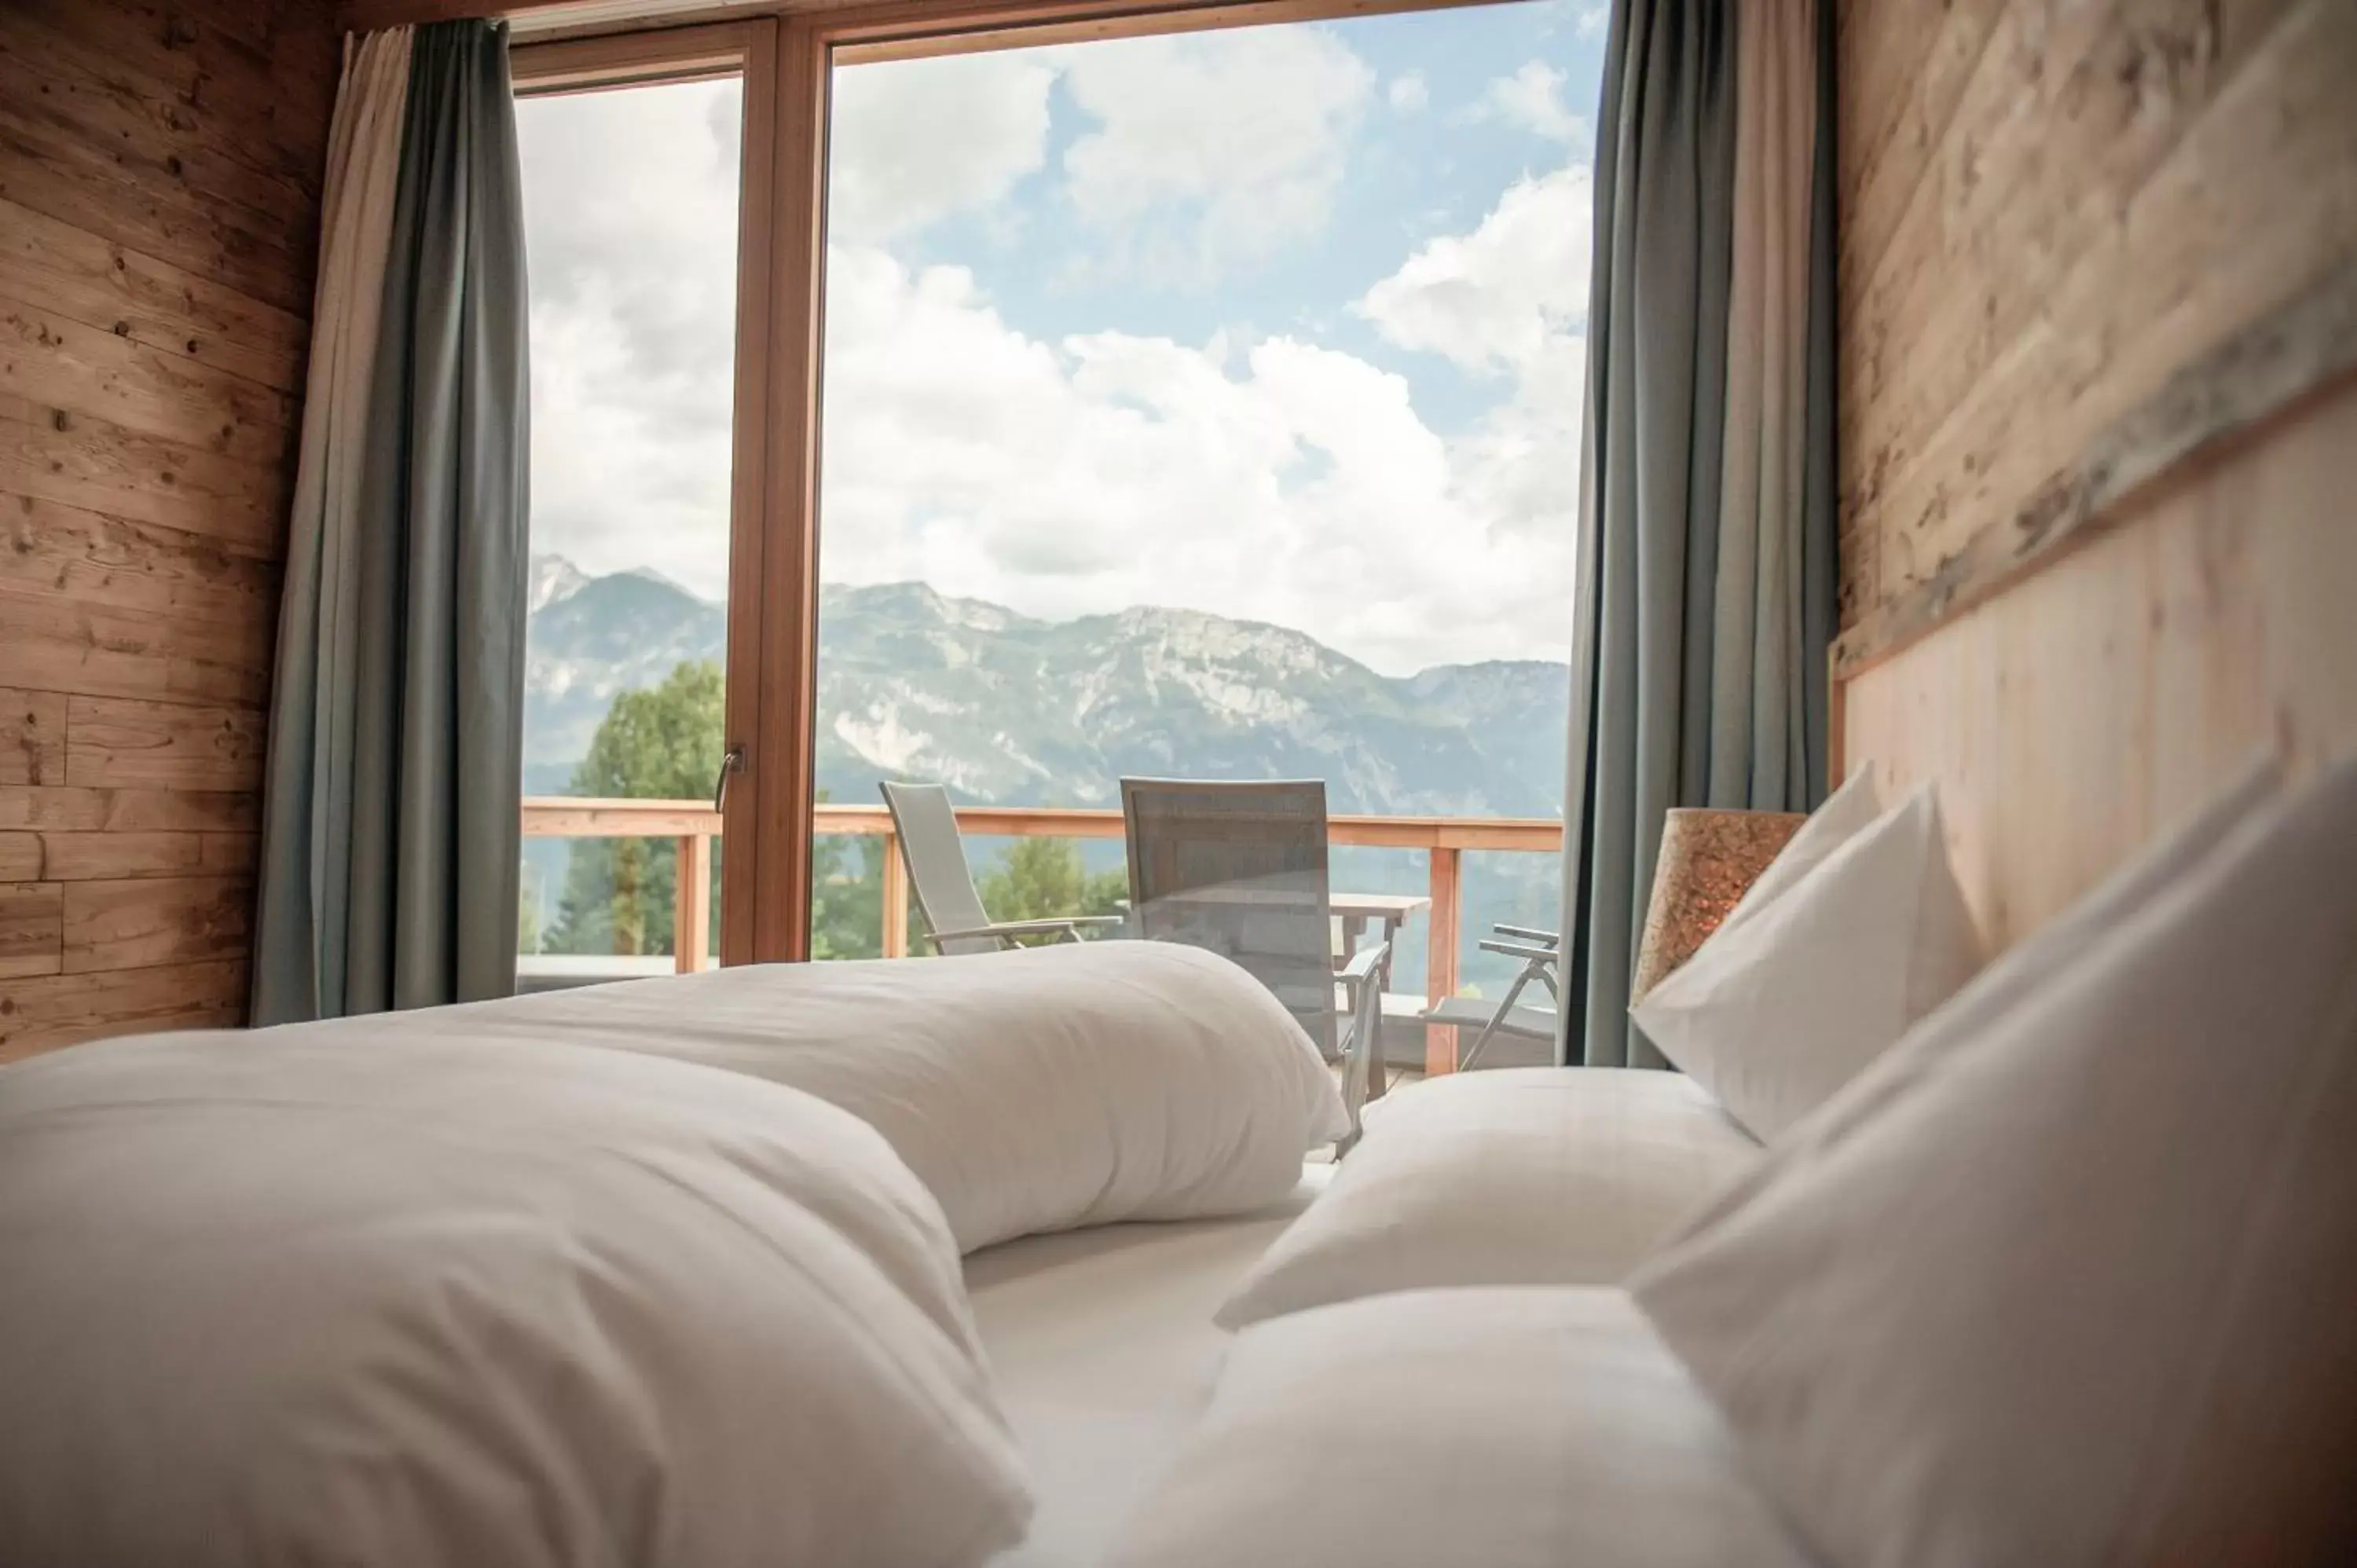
(693, 825)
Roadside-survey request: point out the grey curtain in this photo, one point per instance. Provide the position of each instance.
(1704, 593)
(389, 843)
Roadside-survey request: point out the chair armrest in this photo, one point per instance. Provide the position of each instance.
(1026, 928)
(1522, 951)
(1525, 933)
(1364, 964)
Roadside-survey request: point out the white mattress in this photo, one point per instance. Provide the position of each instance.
(1103, 1344)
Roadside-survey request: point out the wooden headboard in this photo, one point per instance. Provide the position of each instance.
(2098, 314)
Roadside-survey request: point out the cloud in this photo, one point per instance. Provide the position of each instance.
(1408, 93)
(1210, 152)
(1266, 477)
(926, 138)
(1497, 301)
(1286, 482)
(1532, 100)
(630, 215)
(1593, 20)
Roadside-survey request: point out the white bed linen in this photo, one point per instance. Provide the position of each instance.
(1516, 1426)
(1775, 1013)
(1105, 1352)
(1032, 1091)
(1524, 1176)
(384, 1298)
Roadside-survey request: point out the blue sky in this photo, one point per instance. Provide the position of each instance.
(1283, 323)
(1432, 163)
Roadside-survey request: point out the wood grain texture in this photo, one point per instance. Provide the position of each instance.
(63, 643)
(260, 92)
(101, 856)
(2291, 354)
(2071, 718)
(68, 809)
(160, 165)
(140, 922)
(169, 746)
(782, 749)
(32, 737)
(32, 928)
(95, 281)
(2098, 320)
(71, 553)
(57, 453)
(48, 357)
(44, 1013)
(20, 857)
(2118, 189)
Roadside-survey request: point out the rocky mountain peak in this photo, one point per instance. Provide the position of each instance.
(1013, 710)
(552, 577)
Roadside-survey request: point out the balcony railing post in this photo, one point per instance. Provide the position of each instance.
(691, 913)
(896, 898)
(1440, 959)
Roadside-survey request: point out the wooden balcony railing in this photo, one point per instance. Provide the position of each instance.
(694, 824)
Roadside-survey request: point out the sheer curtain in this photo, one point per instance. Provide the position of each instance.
(1704, 600)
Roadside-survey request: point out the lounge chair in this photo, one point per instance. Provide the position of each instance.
(952, 911)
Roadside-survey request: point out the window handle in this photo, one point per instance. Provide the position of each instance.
(731, 761)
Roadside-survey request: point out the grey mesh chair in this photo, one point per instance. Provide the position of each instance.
(1240, 869)
(954, 919)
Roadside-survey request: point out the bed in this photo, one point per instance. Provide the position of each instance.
(668, 1272)
(1104, 1351)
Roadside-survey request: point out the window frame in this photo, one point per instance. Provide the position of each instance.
(787, 54)
(747, 48)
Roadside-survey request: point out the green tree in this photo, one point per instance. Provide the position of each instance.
(847, 897)
(661, 743)
(1043, 878)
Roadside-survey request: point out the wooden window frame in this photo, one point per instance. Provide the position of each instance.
(747, 48)
(786, 55)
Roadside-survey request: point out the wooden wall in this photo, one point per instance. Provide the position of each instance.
(2098, 286)
(159, 177)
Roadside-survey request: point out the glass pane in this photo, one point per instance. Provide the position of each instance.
(1207, 407)
(630, 202)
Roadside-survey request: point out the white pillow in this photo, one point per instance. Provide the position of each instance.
(1846, 813)
(1776, 1012)
(1037, 1091)
(382, 1297)
(1528, 1176)
(2014, 976)
(2075, 1288)
(1521, 1427)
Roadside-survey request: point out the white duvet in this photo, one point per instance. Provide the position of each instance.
(398, 1292)
(1032, 1091)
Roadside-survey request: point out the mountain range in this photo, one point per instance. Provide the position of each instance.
(1010, 710)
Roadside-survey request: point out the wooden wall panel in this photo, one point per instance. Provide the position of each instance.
(66, 809)
(32, 928)
(2070, 719)
(2066, 216)
(160, 163)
